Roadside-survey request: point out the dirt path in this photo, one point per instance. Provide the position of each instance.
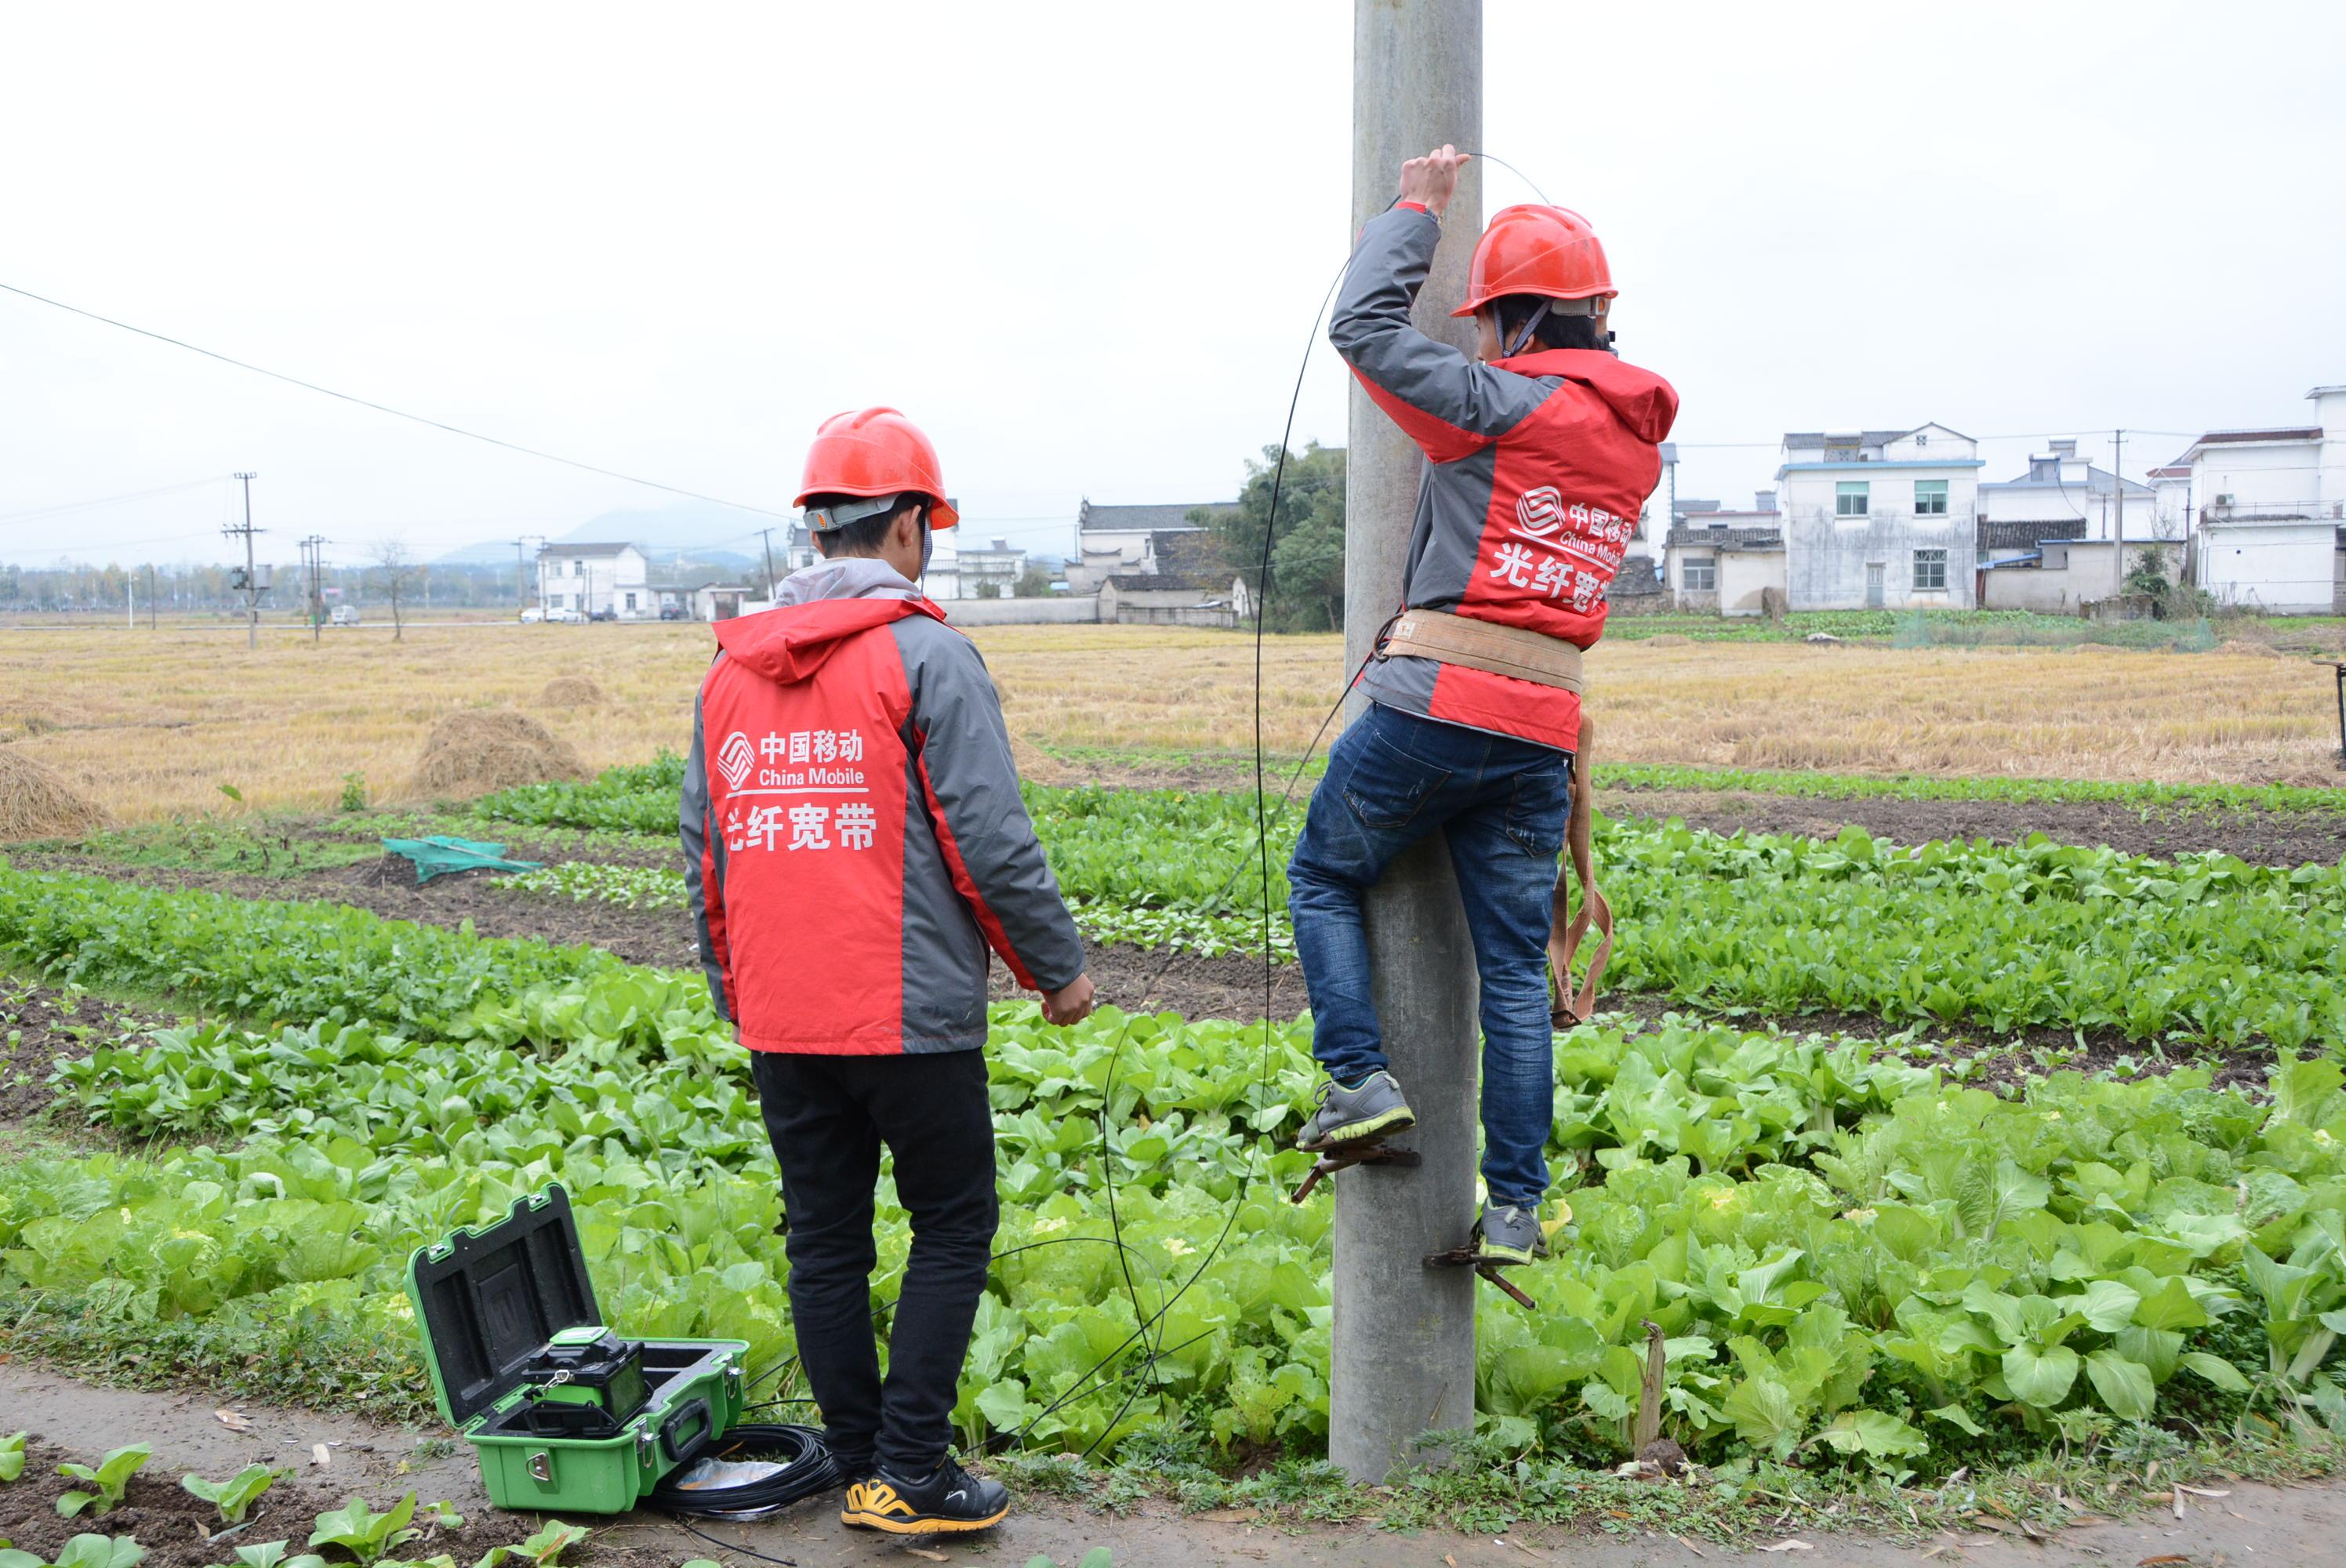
(2262, 838)
(2297, 1527)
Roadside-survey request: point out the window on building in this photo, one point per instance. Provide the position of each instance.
(1930, 571)
(631, 604)
(1929, 498)
(1849, 498)
(577, 568)
(1700, 574)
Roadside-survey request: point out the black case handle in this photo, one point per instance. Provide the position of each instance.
(679, 1453)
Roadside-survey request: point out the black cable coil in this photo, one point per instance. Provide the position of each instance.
(808, 1470)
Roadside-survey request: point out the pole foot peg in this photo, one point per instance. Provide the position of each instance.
(1465, 1258)
(1344, 1156)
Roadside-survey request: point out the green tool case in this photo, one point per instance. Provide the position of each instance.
(565, 1417)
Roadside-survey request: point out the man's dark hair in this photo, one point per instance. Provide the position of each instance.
(863, 537)
(1555, 330)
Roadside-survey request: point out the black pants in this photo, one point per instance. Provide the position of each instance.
(828, 1116)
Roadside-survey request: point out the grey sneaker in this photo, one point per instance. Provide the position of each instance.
(1508, 1235)
(1369, 1110)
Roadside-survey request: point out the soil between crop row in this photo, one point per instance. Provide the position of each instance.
(2260, 838)
(178, 1531)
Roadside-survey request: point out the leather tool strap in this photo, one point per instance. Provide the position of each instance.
(1568, 1007)
(1513, 651)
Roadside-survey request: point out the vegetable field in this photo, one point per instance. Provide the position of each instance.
(1865, 1248)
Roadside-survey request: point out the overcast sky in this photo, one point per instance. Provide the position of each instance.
(1080, 244)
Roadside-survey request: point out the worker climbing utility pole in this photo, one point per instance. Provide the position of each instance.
(1403, 1333)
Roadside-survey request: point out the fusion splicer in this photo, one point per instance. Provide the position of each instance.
(585, 1382)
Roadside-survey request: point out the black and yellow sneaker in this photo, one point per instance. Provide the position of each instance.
(1369, 1111)
(1508, 1235)
(948, 1500)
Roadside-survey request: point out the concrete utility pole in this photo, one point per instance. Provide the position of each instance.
(768, 536)
(313, 553)
(2117, 508)
(1404, 1334)
(251, 584)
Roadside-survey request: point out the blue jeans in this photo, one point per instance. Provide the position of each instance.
(1393, 778)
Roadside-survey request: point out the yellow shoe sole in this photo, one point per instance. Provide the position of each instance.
(917, 1524)
(876, 1505)
(1400, 1118)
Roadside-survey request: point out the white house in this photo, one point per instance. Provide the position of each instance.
(1879, 519)
(596, 579)
(958, 570)
(2066, 491)
(1113, 540)
(1727, 561)
(2272, 511)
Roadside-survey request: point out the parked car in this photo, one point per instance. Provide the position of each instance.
(567, 616)
(531, 616)
(343, 615)
(671, 612)
(604, 615)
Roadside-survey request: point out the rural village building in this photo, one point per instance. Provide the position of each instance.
(1182, 581)
(1729, 561)
(2272, 512)
(957, 571)
(1112, 539)
(594, 579)
(1879, 519)
(2046, 539)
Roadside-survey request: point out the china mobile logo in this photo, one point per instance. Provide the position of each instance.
(1539, 513)
(735, 758)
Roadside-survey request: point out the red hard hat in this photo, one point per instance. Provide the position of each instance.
(1529, 249)
(876, 452)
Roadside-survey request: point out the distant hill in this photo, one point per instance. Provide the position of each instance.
(688, 530)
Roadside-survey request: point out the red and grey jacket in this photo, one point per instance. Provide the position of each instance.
(1537, 468)
(853, 836)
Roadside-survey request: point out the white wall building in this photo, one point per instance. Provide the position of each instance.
(597, 578)
(1880, 519)
(2271, 507)
(1113, 540)
(2066, 491)
(1727, 561)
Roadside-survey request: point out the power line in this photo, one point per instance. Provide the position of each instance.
(394, 413)
(61, 506)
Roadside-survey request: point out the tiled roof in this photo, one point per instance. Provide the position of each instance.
(1727, 538)
(2028, 536)
(1098, 519)
(1162, 582)
(570, 549)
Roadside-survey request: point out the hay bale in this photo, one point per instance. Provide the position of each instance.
(572, 691)
(1668, 640)
(36, 802)
(479, 749)
(2251, 649)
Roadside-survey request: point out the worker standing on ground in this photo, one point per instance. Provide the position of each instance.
(1540, 452)
(854, 843)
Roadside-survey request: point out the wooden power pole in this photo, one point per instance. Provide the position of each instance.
(1404, 1334)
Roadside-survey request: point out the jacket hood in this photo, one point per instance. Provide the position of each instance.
(1642, 401)
(822, 607)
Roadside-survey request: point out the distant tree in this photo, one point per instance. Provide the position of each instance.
(394, 573)
(989, 589)
(1035, 582)
(1306, 586)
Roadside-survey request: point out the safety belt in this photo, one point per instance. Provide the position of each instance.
(1527, 654)
(1567, 1007)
